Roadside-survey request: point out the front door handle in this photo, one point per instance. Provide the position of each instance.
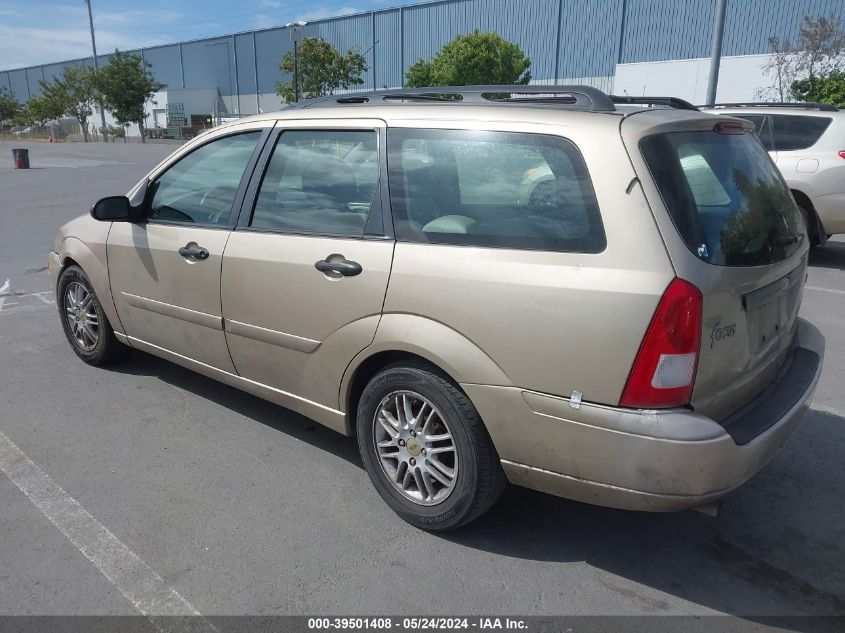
(193, 251)
(345, 267)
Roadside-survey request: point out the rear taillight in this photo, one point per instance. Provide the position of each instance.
(842, 154)
(664, 370)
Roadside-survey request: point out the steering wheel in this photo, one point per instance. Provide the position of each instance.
(214, 217)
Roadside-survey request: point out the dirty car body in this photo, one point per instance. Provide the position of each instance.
(596, 302)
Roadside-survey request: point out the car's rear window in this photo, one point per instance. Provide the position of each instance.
(496, 189)
(725, 196)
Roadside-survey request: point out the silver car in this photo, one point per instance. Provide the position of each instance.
(807, 143)
(592, 296)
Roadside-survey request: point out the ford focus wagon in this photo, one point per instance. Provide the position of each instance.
(592, 296)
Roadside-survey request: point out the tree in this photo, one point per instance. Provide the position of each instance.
(419, 74)
(322, 70)
(782, 64)
(820, 51)
(72, 95)
(821, 44)
(126, 85)
(476, 58)
(829, 89)
(37, 111)
(9, 106)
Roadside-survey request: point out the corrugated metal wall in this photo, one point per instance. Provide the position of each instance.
(657, 30)
(565, 39)
(749, 35)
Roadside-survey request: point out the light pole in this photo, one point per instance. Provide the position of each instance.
(96, 67)
(296, 37)
(716, 51)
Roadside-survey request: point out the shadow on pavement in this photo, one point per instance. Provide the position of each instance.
(142, 364)
(831, 255)
(776, 549)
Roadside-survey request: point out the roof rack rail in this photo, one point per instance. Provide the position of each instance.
(576, 97)
(825, 107)
(670, 102)
(569, 96)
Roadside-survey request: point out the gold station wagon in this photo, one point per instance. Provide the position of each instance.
(588, 295)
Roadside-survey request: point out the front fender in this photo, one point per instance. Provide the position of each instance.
(93, 261)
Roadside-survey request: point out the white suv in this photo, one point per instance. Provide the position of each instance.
(807, 143)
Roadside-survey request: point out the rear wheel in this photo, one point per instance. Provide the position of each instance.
(426, 449)
(85, 324)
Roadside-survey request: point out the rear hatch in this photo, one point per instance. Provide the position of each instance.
(732, 229)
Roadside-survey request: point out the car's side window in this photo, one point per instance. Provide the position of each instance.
(497, 189)
(793, 132)
(319, 182)
(200, 188)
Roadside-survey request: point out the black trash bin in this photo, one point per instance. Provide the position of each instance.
(21, 158)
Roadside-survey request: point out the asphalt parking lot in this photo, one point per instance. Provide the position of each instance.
(245, 508)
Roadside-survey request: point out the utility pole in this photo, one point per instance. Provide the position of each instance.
(716, 51)
(296, 36)
(96, 67)
(296, 70)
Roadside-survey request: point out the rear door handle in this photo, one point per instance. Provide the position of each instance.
(193, 251)
(345, 267)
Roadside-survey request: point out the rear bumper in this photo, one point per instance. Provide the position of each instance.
(831, 212)
(644, 460)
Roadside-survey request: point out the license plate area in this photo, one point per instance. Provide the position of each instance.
(771, 312)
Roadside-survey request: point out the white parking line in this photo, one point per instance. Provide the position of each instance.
(838, 292)
(25, 301)
(136, 580)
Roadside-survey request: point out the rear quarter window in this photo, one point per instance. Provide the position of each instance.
(793, 132)
(492, 189)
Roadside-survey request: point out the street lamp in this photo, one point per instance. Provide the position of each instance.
(295, 37)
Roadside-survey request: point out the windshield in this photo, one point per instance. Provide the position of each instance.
(725, 196)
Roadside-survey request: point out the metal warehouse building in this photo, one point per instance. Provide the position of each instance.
(624, 46)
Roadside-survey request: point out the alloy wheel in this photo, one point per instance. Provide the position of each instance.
(82, 316)
(415, 447)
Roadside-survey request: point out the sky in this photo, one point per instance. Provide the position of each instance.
(43, 31)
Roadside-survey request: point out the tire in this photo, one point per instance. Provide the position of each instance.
(478, 479)
(812, 225)
(73, 294)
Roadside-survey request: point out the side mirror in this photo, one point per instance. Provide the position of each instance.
(114, 209)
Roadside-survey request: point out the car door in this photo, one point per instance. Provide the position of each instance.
(165, 271)
(306, 269)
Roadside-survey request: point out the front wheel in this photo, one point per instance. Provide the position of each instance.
(85, 324)
(426, 449)
(812, 225)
